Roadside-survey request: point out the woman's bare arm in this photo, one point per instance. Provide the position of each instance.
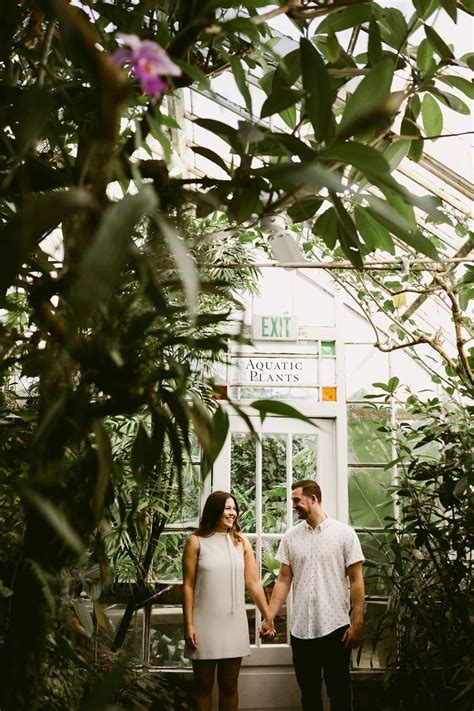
(190, 558)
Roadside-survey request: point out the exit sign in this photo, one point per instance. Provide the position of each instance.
(274, 328)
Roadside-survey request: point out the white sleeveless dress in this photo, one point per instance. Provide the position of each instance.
(219, 617)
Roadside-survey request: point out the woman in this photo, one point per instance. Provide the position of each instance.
(218, 563)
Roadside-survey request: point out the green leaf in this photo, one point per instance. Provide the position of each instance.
(84, 617)
(409, 127)
(365, 158)
(326, 227)
(396, 152)
(304, 209)
(392, 220)
(241, 81)
(439, 45)
(139, 459)
(289, 69)
(371, 94)
(245, 202)
(453, 102)
(333, 48)
(103, 262)
(464, 85)
(347, 233)
(55, 519)
(191, 70)
(374, 48)
(420, 244)
(184, 261)
(218, 127)
(318, 87)
(289, 116)
(425, 8)
(375, 235)
(310, 175)
(393, 26)
(424, 56)
(272, 407)
(348, 17)
(451, 8)
(279, 100)
(220, 428)
(240, 25)
(219, 431)
(432, 116)
(468, 59)
(211, 156)
(387, 215)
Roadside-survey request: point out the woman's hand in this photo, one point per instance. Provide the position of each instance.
(190, 637)
(267, 629)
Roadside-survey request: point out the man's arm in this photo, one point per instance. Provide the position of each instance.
(352, 635)
(281, 589)
(279, 595)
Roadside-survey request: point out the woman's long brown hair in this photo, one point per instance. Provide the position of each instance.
(211, 515)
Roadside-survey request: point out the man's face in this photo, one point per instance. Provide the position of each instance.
(301, 503)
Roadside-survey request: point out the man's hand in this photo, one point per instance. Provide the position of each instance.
(267, 629)
(352, 636)
(190, 637)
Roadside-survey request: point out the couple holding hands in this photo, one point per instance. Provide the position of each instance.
(320, 556)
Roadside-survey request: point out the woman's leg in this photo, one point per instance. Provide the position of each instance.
(203, 673)
(227, 681)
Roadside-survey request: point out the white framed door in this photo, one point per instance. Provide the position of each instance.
(259, 471)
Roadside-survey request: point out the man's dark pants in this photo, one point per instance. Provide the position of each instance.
(313, 658)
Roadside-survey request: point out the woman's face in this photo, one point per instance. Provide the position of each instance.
(228, 515)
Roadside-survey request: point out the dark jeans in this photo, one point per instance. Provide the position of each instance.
(326, 656)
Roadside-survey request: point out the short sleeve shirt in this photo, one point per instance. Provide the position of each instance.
(318, 558)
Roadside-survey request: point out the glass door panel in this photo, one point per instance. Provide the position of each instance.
(274, 485)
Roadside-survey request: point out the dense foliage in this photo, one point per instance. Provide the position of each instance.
(427, 563)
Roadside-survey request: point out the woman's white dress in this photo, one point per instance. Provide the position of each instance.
(219, 617)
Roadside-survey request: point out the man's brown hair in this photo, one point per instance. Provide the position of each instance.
(310, 488)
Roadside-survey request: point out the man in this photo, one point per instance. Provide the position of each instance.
(319, 555)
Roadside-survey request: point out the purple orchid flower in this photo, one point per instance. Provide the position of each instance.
(149, 63)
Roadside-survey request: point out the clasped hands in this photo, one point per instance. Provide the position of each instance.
(267, 629)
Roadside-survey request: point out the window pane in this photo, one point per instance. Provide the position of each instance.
(238, 392)
(274, 483)
(369, 500)
(133, 644)
(184, 507)
(410, 433)
(364, 365)
(328, 371)
(305, 457)
(368, 657)
(328, 348)
(166, 637)
(374, 577)
(167, 559)
(242, 478)
(365, 444)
